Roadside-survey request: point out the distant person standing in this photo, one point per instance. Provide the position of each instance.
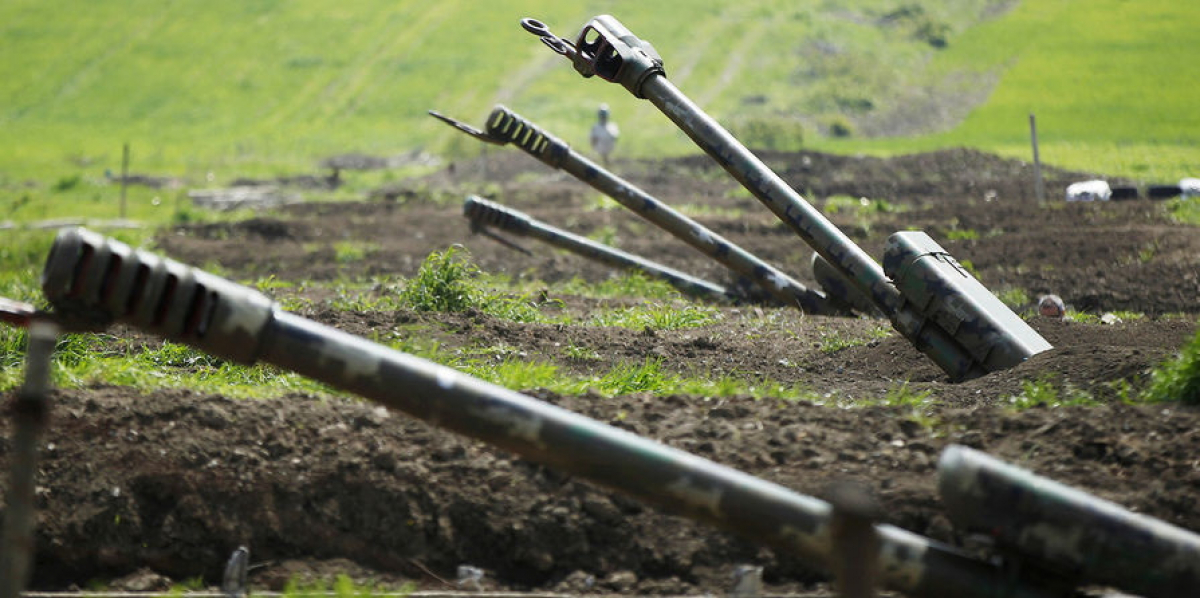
(604, 134)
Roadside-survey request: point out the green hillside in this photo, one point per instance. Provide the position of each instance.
(244, 86)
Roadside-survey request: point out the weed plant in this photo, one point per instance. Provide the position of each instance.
(1177, 379)
(657, 316)
(1045, 391)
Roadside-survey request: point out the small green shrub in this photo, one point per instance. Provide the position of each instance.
(66, 183)
(1177, 379)
(1185, 211)
(840, 126)
(443, 283)
(647, 376)
(903, 396)
(1014, 298)
(1045, 391)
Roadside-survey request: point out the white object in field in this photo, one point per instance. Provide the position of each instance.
(1089, 191)
(1189, 187)
(747, 582)
(233, 584)
(604, 134)
(470, 576)
(1051, 306)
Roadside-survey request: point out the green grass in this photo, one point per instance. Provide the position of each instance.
(833, 341)
(657, 316)
(1109, 81)
(1185, 211)
(1046, 391)
(1014, 297)
(628, 284)
(447, 281)
(232, 88)
(1177, 379)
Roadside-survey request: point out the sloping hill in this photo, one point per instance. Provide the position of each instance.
(282, 83)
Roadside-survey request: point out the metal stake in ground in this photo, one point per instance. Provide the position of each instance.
(31, 409)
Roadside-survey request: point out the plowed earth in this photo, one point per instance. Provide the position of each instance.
(142, 488)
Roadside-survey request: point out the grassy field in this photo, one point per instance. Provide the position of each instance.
(1109, 81)
(243, 88)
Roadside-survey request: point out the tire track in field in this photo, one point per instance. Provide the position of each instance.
(541, 61)
(411, 35)
(734, 63)
(322, 97)
(88, 71)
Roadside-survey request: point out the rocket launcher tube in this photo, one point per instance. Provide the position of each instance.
(505, 126)
(610, 51)
(483, 212)
(1076, 535)
(244, 325)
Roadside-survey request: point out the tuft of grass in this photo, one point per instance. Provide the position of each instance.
(1046, 392)
(1185, 211)
(578, 353)
(964, 234)
(656, 316)
(1014, 298)
(1177, 379)
(346, 252)
(647, 376)
(904, 396)
(629, 284)
(834, 341)
(860, 206)
(341, 587)
(444, 283)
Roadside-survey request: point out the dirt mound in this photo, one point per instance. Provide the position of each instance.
(172, 481)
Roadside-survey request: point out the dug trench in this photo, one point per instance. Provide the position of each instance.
(162, 485)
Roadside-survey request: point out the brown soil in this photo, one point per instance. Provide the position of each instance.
(174, 480)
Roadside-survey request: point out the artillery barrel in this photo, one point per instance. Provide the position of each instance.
(818, 232)
(488, 213)
(504, 124)
(98, 276)
(1077, 535)
(946, 327)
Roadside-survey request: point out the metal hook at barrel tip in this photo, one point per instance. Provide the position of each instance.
(558, 44)
(535, 26)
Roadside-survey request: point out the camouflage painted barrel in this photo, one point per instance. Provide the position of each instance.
(106, 280)
(488, 213)
(605, 48)
(506, 126)
(1076, 535)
